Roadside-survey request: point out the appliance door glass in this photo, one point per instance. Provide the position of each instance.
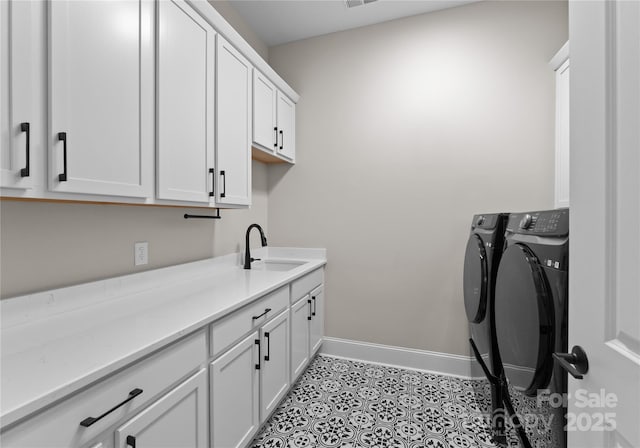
(524, 320)
(475, 279)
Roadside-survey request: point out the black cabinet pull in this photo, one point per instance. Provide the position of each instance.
(257, 342)
(266, 310)
(91, 420)
(281, 138)
(313, 313)
(213, 182)
(25, 127)
(224, 184)
(131, 441)
(275, 145)
(576, 362)
(266, 335)
(62, 136)
(309, 303)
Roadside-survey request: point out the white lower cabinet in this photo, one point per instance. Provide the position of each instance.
(274, 377)
(178, 419)
(300, 316)
(307, 320)
(168, 400)
(90, 417)
(316, 324)
(235, 394)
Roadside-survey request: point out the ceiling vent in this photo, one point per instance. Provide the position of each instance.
(354, 3)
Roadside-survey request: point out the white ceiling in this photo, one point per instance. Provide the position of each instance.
(281, 21)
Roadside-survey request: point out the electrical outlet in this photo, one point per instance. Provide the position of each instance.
(141, 253)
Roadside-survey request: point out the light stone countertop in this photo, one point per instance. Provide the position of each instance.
(56, 342)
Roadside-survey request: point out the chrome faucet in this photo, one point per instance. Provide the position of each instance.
(247, 253)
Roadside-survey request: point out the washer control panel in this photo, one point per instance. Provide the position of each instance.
(547, 223)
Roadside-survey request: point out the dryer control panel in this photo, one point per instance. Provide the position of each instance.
(542, 223)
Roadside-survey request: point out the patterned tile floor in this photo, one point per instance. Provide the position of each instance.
(349, 404)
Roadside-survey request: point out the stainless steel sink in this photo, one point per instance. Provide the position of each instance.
(276, 265)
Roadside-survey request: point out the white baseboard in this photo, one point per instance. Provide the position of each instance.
(442, 363)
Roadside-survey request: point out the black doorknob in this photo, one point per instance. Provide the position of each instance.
(576, 362)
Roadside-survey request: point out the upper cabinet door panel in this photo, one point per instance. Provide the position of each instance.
(16, 114)
(286, 127)
(186, 102)
(101, 68)
(264, 112)
(233, 131)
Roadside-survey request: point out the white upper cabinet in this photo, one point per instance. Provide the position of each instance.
(273, 120)
(16, 114)
(185, 104)
(265, 130)
(286, 127)
(101, 97)
(233, 130)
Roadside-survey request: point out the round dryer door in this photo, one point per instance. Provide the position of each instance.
(524, 320)
(475, 279)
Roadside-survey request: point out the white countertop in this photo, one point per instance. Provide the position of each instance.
(56, 342)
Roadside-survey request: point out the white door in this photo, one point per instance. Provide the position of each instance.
(101, 87)
(286, 127)
(317, 320)
(300, 319)
(185, 103)
(178, 419)
(234, 395)
(274, 379)
(604, 302)
(16, 114)
(265, 131)
(233, 132)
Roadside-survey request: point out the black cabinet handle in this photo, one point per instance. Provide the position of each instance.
(266, 310)
(62, 136)
(275, 145)
(313, 313)
(131, 441)
(213, 182)
(309, 303)
(257, 342)
(25, 127)
(281, 138)
(576, 362)
(91, 420)
(224, 184)
(266, 335)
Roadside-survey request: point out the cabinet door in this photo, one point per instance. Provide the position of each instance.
(286, 127)
(265, 131)
(275, 364)
(317, 320)
(101, 86)
(234, 395)
(179, 418)
(300, 319)
(16, 114)
(186, 103)
(233, 132)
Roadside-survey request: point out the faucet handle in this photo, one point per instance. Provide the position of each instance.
(255, 259)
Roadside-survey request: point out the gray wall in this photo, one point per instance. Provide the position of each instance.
(240, 25)
(50, 245)
(404, 131)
